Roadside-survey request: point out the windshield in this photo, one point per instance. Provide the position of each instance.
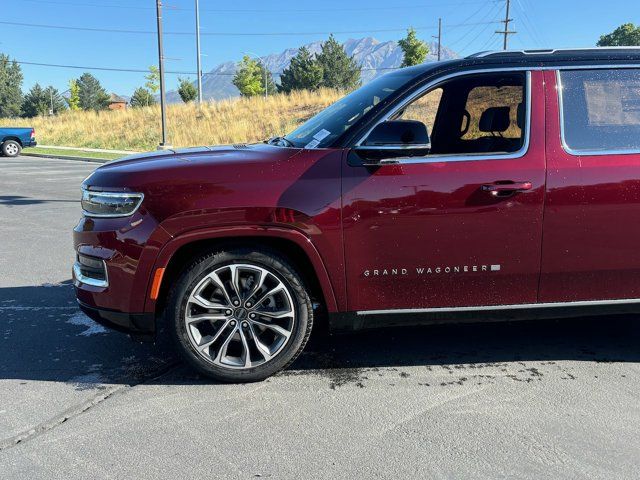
(320, 130)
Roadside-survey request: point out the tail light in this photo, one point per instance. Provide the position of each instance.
(33, 133)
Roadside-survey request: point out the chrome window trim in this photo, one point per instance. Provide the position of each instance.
(461, 157)
(140, 196)
(79, 277)
(404, 146)
(565, 146)
(519, 306)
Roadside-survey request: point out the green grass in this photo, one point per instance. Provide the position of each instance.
(73, 153)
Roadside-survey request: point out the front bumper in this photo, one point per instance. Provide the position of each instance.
(139, 325)
(127, 248)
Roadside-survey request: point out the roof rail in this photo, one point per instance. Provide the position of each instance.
(544, 51)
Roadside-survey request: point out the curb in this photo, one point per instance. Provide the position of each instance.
(96, 150)
(65, 157)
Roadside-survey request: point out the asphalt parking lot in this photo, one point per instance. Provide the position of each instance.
(552, 399)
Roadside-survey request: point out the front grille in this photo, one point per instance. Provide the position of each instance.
(91, 267)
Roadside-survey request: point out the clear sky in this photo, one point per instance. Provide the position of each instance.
(230, 28)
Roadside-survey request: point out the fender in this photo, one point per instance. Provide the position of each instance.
(172, 246)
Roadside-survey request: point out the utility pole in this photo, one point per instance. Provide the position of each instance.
(439, 37)
(163, 144)
(198, 51)
(266, 93)
(506, 32)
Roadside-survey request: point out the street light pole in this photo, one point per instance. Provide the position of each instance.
(198, 51)
(163, 144)
(439, 37)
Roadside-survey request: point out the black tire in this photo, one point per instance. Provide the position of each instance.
(190, 277)
(11, 148)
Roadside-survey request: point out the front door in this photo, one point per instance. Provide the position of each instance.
(461, 226)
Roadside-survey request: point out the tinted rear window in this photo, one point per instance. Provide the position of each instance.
(601, 109)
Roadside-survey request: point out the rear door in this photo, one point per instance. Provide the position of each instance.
(430, 232)
(591, 248)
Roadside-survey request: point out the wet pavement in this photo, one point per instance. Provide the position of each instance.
(544, 399)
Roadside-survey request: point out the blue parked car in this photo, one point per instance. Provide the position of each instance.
(13, 140)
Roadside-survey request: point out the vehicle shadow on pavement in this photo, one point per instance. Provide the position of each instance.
(43, 336)
(15, 200)
(599, 339)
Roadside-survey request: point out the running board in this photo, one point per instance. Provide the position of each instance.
(360, 320)
(518, 306)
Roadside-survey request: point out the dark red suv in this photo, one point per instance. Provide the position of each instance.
(500, 186)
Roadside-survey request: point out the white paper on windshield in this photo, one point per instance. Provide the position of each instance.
(322, 134)
(312, 144)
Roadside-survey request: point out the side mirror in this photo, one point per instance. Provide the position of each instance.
(395, 139)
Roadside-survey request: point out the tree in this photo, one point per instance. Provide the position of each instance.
(250, 78)
(186, 90)
(40, 101)
(142, 98)
(74, 95)
(415, 50)
(626, 35)
(10, 87)
(153, 79)
(91, 95)
(303, 73)
(35, 102)
(339, 70)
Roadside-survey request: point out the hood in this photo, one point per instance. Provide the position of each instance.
(139, 169)
(223, 185)
(206, 153)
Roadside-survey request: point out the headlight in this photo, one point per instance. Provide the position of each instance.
(110, 204)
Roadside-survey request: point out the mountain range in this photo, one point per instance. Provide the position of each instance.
(375, 58)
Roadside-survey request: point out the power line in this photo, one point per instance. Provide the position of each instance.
(488, 14)
(233, 34)
(261, 10)
(173, 72)
(529, 25)
(479, 32)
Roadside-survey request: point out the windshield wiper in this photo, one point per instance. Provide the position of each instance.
(280, 141)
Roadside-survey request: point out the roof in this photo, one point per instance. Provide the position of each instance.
(113, 98)
(535, 58)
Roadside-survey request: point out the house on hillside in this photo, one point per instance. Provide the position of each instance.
(116, 102)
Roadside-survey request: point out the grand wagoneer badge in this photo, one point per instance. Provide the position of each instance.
(382, 272)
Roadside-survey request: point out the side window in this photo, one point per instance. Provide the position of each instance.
(600, 109)
(424, 109)
(473, 114)
(481, 99)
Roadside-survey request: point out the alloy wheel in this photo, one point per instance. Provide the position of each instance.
(239, 316)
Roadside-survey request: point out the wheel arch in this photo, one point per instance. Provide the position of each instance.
(15, 139)
(289, 243)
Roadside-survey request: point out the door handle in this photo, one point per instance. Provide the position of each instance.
(498, 189)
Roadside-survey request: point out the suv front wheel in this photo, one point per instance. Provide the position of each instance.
(240, 315)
